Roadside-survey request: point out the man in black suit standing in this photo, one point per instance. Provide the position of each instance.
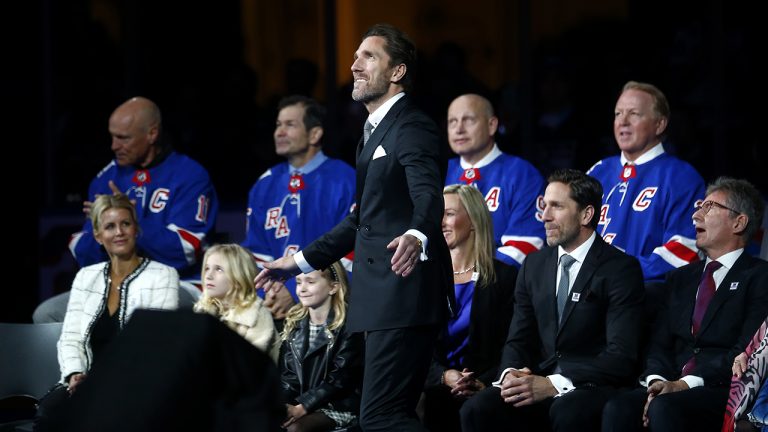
(576, 325)
(402, 287)
(712, 310)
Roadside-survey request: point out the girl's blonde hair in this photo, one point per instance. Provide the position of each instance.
(335, 274)
(474, 203)
(241, 270)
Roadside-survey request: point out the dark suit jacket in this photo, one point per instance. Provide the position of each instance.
(736, 311)
(596, 342)
(396, 192)
(489, 319)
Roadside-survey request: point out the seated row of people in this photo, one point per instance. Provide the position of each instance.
(398, 297)
(643, 210)
(574, 349)
(575, 332)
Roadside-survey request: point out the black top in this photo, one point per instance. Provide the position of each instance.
(104, 331)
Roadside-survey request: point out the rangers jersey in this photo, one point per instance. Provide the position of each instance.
(176, 206)
(513, 191)
(290, 207)
(648, 208)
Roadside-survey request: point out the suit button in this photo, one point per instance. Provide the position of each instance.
(357, 227)
(367, 227)
(696, 350)
(370, 260)
(557, 354)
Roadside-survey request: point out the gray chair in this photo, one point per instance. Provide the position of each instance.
(29, 367)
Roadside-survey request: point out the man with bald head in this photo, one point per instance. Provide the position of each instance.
(175, 200)
(512, 186)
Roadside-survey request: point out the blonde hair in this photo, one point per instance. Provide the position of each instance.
(474, 204)
(660, 103)
(105, 202)
(334, 274)
(241, 270)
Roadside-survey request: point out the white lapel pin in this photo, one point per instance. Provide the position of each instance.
(734, 285)
(575, 297)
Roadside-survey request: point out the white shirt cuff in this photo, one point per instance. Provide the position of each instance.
(423, 238)
(693, 381)
(562, 384)
(651, 378)
(498, 382)
(302, 263)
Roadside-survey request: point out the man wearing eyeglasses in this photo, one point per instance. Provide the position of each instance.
(713, 309)
(648, 194)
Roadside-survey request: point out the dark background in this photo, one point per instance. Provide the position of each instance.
(552, 68)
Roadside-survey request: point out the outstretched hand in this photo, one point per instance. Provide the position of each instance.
(279, 270)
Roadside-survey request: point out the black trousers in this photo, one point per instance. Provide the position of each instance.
(578, 410)
(396, 365)
(697, 409)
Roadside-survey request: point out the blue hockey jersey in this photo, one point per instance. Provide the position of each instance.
(176, 205)
(289, 208)
(648, 208)
(513, 191)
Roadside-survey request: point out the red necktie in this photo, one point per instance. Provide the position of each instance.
(703, 297)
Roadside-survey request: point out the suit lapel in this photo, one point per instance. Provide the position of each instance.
(724, 291)
(586, 271)
(365, 152)
(547, 300)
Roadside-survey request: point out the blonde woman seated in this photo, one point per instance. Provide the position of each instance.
(469, 348)
(105, 295)
(229, 294)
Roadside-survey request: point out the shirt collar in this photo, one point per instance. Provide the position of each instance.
(727, 260)
(310, 166)
(580, 253)
(490, 157)
(377, 116)
(648, 156)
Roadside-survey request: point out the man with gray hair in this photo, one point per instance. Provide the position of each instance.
(712, 310)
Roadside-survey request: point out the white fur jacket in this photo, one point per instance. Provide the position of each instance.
(255, 324)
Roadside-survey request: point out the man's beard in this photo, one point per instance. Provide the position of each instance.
(373, 91)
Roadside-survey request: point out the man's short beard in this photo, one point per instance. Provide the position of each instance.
(369, 96)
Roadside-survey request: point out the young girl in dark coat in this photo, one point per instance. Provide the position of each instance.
(321, 362)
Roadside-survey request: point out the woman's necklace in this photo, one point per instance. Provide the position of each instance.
(465, 270)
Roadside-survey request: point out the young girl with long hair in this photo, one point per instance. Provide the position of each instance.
(229, 294)
(322, 365)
